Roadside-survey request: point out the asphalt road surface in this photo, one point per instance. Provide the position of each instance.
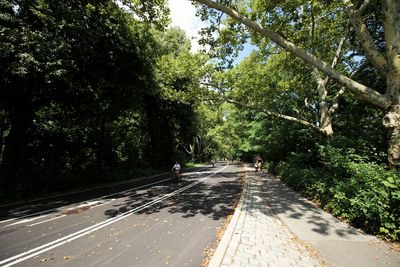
(155, 222)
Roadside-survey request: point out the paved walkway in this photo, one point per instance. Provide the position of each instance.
(275, 226)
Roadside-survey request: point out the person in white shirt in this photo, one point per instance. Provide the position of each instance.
(177, 169)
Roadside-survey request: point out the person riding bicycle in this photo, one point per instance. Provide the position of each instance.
(177, 169)
(259, 163)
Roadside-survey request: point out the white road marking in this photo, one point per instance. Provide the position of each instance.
(8, 220)
(93, 204)
(61, 208)
(25, 220)
(93, 200)
(66, 239)
(51, 219)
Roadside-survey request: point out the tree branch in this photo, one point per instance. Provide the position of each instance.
(278, 115)
(335, 104)
(361, 30)
(360, 90)
(363, 6)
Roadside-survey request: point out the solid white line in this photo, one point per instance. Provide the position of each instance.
(61, 241)
(56, 209)
(8, 220)
(51, 219)
(25, 221)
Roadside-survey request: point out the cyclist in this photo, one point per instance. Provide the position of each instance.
(177, 169)
(258, 163)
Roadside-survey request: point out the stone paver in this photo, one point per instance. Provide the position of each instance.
(259, 238)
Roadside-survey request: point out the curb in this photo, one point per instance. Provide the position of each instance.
(219, 254)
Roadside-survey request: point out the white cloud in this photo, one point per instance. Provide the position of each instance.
(183, 15)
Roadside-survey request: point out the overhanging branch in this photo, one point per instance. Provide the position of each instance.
(360, 90)
(278, 115)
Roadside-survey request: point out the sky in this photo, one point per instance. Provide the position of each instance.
(183, 15)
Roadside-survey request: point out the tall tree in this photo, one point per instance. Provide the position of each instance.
(386, 59)
(64, 60)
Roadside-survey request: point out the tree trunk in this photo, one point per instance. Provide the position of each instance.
(161, 139)
(2, 131)
(100, 144)
(391, 121)
(324, 114)
(16, 138)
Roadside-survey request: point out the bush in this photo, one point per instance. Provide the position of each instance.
(363, 193)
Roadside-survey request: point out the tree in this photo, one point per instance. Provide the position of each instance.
(71, 73)
(386, 59)
(179, 73)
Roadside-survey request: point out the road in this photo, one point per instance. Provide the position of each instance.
(157, 223)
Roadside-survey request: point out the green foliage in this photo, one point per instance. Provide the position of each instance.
(363, 193)
(82, 97)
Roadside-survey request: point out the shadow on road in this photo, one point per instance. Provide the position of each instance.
(214, 197)
(53, 204)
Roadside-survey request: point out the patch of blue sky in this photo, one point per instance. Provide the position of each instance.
(246, 51)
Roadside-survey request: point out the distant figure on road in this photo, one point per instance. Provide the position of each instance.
(177, 169)
(258, 163)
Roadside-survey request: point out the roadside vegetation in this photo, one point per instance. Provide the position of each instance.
(92, 92)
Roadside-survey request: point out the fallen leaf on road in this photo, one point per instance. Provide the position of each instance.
(75, 210)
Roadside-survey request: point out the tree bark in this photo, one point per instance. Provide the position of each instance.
(101, 144)
(16, 139)
(2, 130)
(371, 51)
(324, 114)
(391, 121)
(161, 139)
(322, 89)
